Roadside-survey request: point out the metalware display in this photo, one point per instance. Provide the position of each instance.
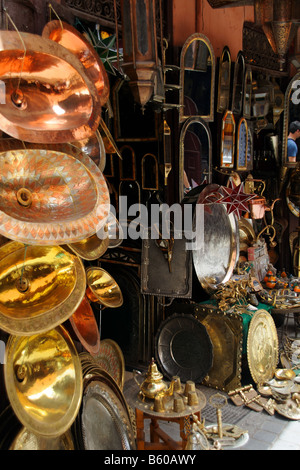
(262, 347)
(48, 96)
(102, 288)
(40, 287)
(43, 380)
(70, 38)
(111, 359)
(183, 348)
(50, 197)
(85, 326)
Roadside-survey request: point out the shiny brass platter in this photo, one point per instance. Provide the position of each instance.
(48, 96)
(70, 38)
(84, 324)
(40, 287)
(91, 248)
(27, 440)
(262, 347)
(43, 380)
(50, 197)
(102, 288)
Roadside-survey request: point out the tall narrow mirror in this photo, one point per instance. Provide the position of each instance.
(228, 140)
(238, 84)
(195, 155)
(247, 106)
(224, 81)
(197, 78)
(291, 113)
(242, 145)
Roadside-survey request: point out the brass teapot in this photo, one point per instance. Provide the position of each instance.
(153, 383)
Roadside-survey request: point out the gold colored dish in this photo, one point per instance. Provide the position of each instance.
(284, 374)
(91, 248)
(102, 288)
(40, 287)
(43, 380)
(48, 96)
(26, 440)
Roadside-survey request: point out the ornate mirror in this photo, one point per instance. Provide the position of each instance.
(224, 81)
(195, 155)
(291, 113)
(242, 145)
(247, 105)
(197, 78)
(228, 140)
(250, 148)
(238, 84)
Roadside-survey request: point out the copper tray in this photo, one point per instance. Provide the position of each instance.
(183, 348)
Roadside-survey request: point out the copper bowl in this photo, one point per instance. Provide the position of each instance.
(85, 327)
(40, 287)
(51, 198)
(43, 380)
(68, 37)
(102, 288)
(46, 96)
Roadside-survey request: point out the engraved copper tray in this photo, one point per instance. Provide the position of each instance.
(183, 348)
(50, 197)
(47, 95)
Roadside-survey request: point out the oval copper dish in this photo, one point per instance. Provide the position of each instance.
(48, 96)
(85, 326)
(40, 287)
(43, 380)
(111, 359)
(68, 37)
(102, 288)
(49, 197)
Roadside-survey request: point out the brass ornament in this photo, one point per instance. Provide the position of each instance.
(40, 287)
(42, 370)
(262, 347)
(102, 288)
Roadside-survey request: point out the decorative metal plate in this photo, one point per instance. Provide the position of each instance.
(26, 440)
(105, 424)
(85, 326)
(183, 348)
(262, 347)
(111, 359)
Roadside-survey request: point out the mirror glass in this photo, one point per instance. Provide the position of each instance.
(247, 94)
(195, 155)
(228, 140)
(291, 113)
(224, 81)
(238, 84)
(197, 78)
(242, 145)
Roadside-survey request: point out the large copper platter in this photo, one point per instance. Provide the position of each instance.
(50, 197)
(48, 96)
(68, 37)
(85, 326)
(40, 287)
(43, 381)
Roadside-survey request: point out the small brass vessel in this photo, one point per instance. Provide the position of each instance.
(153, 384)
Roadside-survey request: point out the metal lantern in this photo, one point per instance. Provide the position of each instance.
(140, 59)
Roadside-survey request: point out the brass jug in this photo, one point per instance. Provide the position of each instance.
(153, 383)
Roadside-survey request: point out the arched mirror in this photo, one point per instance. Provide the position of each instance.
(291, 113)
(238, 84)
(195, 155)
(247, 106)
(250, 148)
(228, 140)
(224, 81)
(242, 145)
(197, 78)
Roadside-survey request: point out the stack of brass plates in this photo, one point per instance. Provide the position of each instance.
(40, 287)
(43, 380)
(111, 359)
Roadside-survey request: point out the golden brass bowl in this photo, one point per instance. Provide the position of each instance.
(85, 326)
(102, 288)
(285, 374)
(91, 248)
(40, 287)
(43, 380)
(68, 37)
(47, 95)
(50, 197)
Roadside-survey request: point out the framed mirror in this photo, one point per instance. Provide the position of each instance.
(291, 113)
(247, 104)
(242, 145)
(197, 79)
(250, 148)
(224, 81)
(238, 84)
(228, 140)
(195, 155)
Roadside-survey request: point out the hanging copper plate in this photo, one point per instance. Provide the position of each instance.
(262, 347)
(43, 381)
(40, 287)
(47, 96)
(68, 37)
(49, 197)
(102, 288)
(85, 326)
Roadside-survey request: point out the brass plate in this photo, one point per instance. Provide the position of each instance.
(262, 347)
(91, 248)
(40, 287)
(26, 440)
(43, 380)
(226, 334)
(111, 359)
